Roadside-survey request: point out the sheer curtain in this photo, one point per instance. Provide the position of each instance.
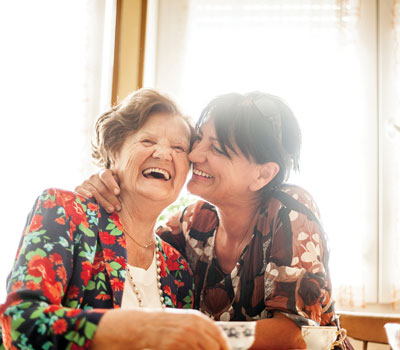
(390, 162)
(395, 233)
(321, 56)
(55, 70)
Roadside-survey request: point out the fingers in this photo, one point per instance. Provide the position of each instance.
(210, 343)
(94, 187)
(217, 335)
(84, 192)
(209, 335)
(110, 180)
(186, 329)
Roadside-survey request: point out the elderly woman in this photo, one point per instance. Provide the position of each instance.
(82, 276)
(255, 243)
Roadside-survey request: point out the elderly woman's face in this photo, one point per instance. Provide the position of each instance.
(153, 161)
(217, 178)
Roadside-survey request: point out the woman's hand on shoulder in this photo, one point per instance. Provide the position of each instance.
(102, 186)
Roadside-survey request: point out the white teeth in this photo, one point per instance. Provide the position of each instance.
(201, 173)
(165, 173)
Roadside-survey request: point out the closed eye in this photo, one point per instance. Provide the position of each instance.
(147, 142)
(179, 148)
(217, 150)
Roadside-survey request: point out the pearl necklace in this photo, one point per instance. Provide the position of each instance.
(136, 289)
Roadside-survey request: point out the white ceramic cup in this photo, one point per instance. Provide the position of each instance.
(319, 338)
(393, 334)
(240, 334)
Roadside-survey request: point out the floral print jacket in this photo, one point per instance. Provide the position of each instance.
(69, 269)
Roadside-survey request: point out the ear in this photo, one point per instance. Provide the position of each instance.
(266, 172)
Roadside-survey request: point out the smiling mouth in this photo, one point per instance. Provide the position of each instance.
(201, 173)
(156, 173)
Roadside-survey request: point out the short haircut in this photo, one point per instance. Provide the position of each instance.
(127, 117)
(260, 126)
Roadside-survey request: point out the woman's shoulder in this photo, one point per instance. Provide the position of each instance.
(62, 204)
(201, 216)
(64, 198)
(293, 197)
(297, 192)
(200, 207)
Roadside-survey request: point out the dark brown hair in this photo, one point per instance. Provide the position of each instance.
(262, 126)
(127, 117)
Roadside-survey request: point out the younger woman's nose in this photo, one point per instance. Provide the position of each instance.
(197, 154)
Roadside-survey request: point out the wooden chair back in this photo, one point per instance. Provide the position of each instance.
(367, 327)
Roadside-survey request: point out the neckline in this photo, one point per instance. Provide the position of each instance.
(144, 276)
(239, 262)
(233, 273)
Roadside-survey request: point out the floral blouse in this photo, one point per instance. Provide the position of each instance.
(284, 267)
(69, 269)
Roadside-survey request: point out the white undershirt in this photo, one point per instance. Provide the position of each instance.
(146, 282)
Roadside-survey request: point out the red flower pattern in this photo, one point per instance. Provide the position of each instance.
(122, 261)
(52, 291)
(6, 332)
(60, 326)
(122, 241)
(41, 267)
(86, 273)
(108, 254)
(98, 263)
(103, 297)
(179, 283)
(56, 258)
(62, 274)
(92, 206)
(36, 223)
(77, 214)
(115, 218)
(109, 268)
(173, 265)
(32, 285)
(106, 238)
(117, 284)
(52, 308)
(60, 221)
(171, 252)
(73, 292)
(73, 312)
(167, 290)
(17, 285)
(46, 276)
(49, 204)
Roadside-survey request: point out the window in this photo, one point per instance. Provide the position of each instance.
(55, 78)
(336, 64)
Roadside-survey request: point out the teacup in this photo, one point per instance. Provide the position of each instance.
(393, 334)
(320, 338)
(240, 334)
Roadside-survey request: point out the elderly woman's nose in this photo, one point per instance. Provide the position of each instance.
(162, 152)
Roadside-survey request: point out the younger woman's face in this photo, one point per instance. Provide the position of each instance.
(216, 178)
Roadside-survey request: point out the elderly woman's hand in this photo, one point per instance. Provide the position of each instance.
(103, 187)
(171, 329)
